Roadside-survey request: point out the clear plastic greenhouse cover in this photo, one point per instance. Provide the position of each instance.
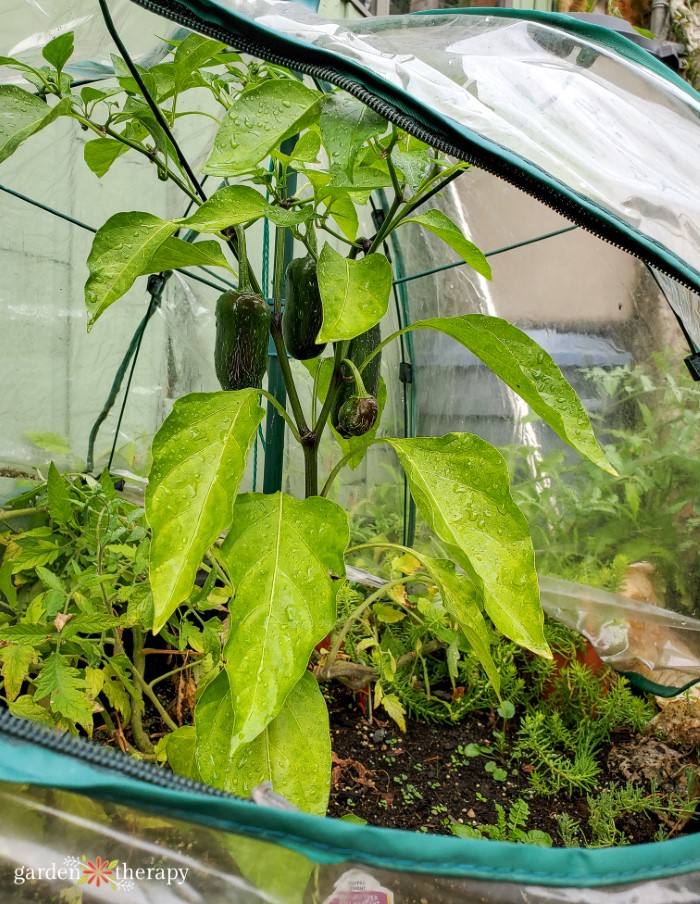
(565, 109)
(163, 844)
(586, 125)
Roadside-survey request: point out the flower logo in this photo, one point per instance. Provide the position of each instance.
(98, 871)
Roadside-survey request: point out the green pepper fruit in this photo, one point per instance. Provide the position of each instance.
(241, 349)
(360, 348)
(357, 416)
(303, 311)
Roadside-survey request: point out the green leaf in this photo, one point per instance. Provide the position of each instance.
(293, 752)
(199, 456)
(11, 61)
(527, 368)
(414, 160)
(139, 610)
(25, 707)
(355, 294)
(192, 53)
(100, 154)
(306, 150)
(458, 597)
(346, 124)
(344, 212)
(50, 580)
(394, 709)
(175, 253)
(121, 667)
(17, 659)
(229, 206)
(389, 615)
(180, 750)
(354, 819)
(32, 635)
(60, 50)
(126, 80)
(120, 250)
(50, 442)
(443, 227)
(279, 554)
(89, 623)
(292, 217)
(137, 111)
(60, 507)
(37, 547)
(7, 588)
(258, 121)
(22, 115)
(280, 873)
(65, 689)
(460, 485)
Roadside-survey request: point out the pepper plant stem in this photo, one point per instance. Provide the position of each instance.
(357, 612)
(297, 410)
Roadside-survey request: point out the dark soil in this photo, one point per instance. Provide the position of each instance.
(418, 780)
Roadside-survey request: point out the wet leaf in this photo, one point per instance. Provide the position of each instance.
(22, 115)
(461, 487)
(527, 368)
(443, 227)
(293, 752)
(199, 456)
(346, 125)
(354, 293)
(229, 206)
(258, 121)
(279, 554)
(458, 597)
(120, 251)
(175, 253)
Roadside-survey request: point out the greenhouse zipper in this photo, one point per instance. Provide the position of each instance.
(19, 729)
(480, 158)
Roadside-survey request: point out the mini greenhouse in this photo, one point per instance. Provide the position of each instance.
(393, 334)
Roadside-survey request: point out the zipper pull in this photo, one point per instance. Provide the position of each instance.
(264, 796)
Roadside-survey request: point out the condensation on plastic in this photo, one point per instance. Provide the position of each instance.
(686, 304)
(51, 830)
(612, 131)
(628, 635)
(27, 26)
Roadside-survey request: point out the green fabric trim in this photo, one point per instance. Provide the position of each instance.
(651, 687)
(334, 841)
(589, 31)
(507, 164)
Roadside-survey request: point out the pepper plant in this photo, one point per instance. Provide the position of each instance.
(262, 716)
